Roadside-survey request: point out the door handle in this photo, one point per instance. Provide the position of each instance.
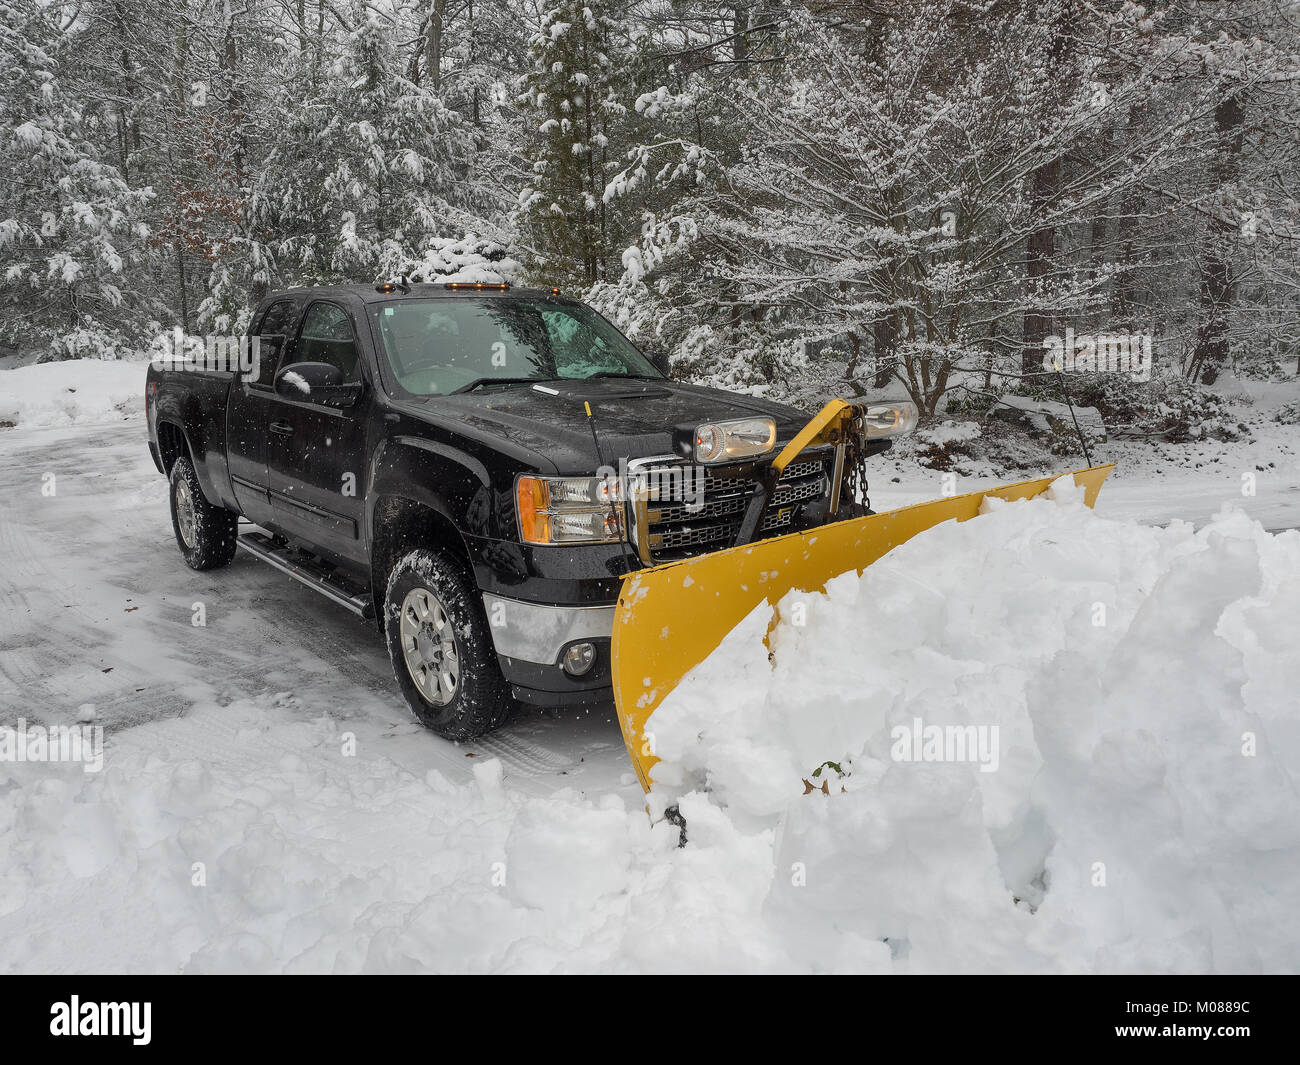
(282, 428)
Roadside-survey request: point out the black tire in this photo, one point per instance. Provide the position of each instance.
(204, 533)
(480, 699)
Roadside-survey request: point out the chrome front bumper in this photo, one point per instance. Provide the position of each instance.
(534, 632)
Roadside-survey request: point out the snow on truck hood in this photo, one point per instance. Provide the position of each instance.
(1143, 813)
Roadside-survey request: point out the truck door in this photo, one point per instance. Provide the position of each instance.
(249, 412)
(316, 454)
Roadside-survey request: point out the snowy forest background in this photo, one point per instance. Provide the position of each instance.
(818, 198)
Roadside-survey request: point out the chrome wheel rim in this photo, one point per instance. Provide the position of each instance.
(429, 646)
(185, 520)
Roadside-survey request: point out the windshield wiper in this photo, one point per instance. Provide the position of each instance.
(620, 373)
(479, 382)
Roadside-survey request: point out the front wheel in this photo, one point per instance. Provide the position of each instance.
(204, 533)
(440, 647)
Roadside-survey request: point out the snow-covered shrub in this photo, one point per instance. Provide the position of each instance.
(963, 404)
(1169, 407)
(90, 342)
(943, 445)
(1288, 413)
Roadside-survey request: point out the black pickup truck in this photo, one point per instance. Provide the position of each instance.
(454, 462)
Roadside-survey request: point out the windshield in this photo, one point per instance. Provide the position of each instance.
(447, 344)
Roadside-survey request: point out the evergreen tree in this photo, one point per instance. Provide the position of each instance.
(572, 98)
(69, 223)
(368, 168)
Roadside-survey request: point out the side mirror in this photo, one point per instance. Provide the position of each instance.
(316, 382)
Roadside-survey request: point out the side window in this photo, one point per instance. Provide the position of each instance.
(327, 337)
(280, 318)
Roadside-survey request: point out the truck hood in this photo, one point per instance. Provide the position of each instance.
(634, 418)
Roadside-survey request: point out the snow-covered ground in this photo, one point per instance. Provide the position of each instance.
(266, 804)
(1156, 482)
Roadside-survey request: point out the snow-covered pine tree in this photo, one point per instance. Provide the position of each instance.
(367, 169)
(571, 96)
(69, 223)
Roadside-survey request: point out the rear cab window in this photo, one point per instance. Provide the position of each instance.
(279, 319)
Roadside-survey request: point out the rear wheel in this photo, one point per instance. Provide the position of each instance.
(204, 533)
(440, 647)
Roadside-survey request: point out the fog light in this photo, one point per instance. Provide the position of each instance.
(578, 658)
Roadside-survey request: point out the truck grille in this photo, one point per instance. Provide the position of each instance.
(678, 529)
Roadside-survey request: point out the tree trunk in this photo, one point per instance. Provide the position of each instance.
(1216, 288)
(1042, 252)
(185, 299)
(1061, 21)
(473, 58)
(739, 28)
(433, 45)
(884, 335)
(1124, 291)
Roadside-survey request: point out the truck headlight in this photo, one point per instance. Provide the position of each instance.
(569, 510)
(742, 438)
(880, 420)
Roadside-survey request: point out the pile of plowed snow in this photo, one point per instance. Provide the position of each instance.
(1136, 808)
(72, 392)
(1119, 707)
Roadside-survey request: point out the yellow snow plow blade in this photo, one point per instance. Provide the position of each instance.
(672, 616)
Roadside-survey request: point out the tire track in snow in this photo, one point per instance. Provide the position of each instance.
(106, 538)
